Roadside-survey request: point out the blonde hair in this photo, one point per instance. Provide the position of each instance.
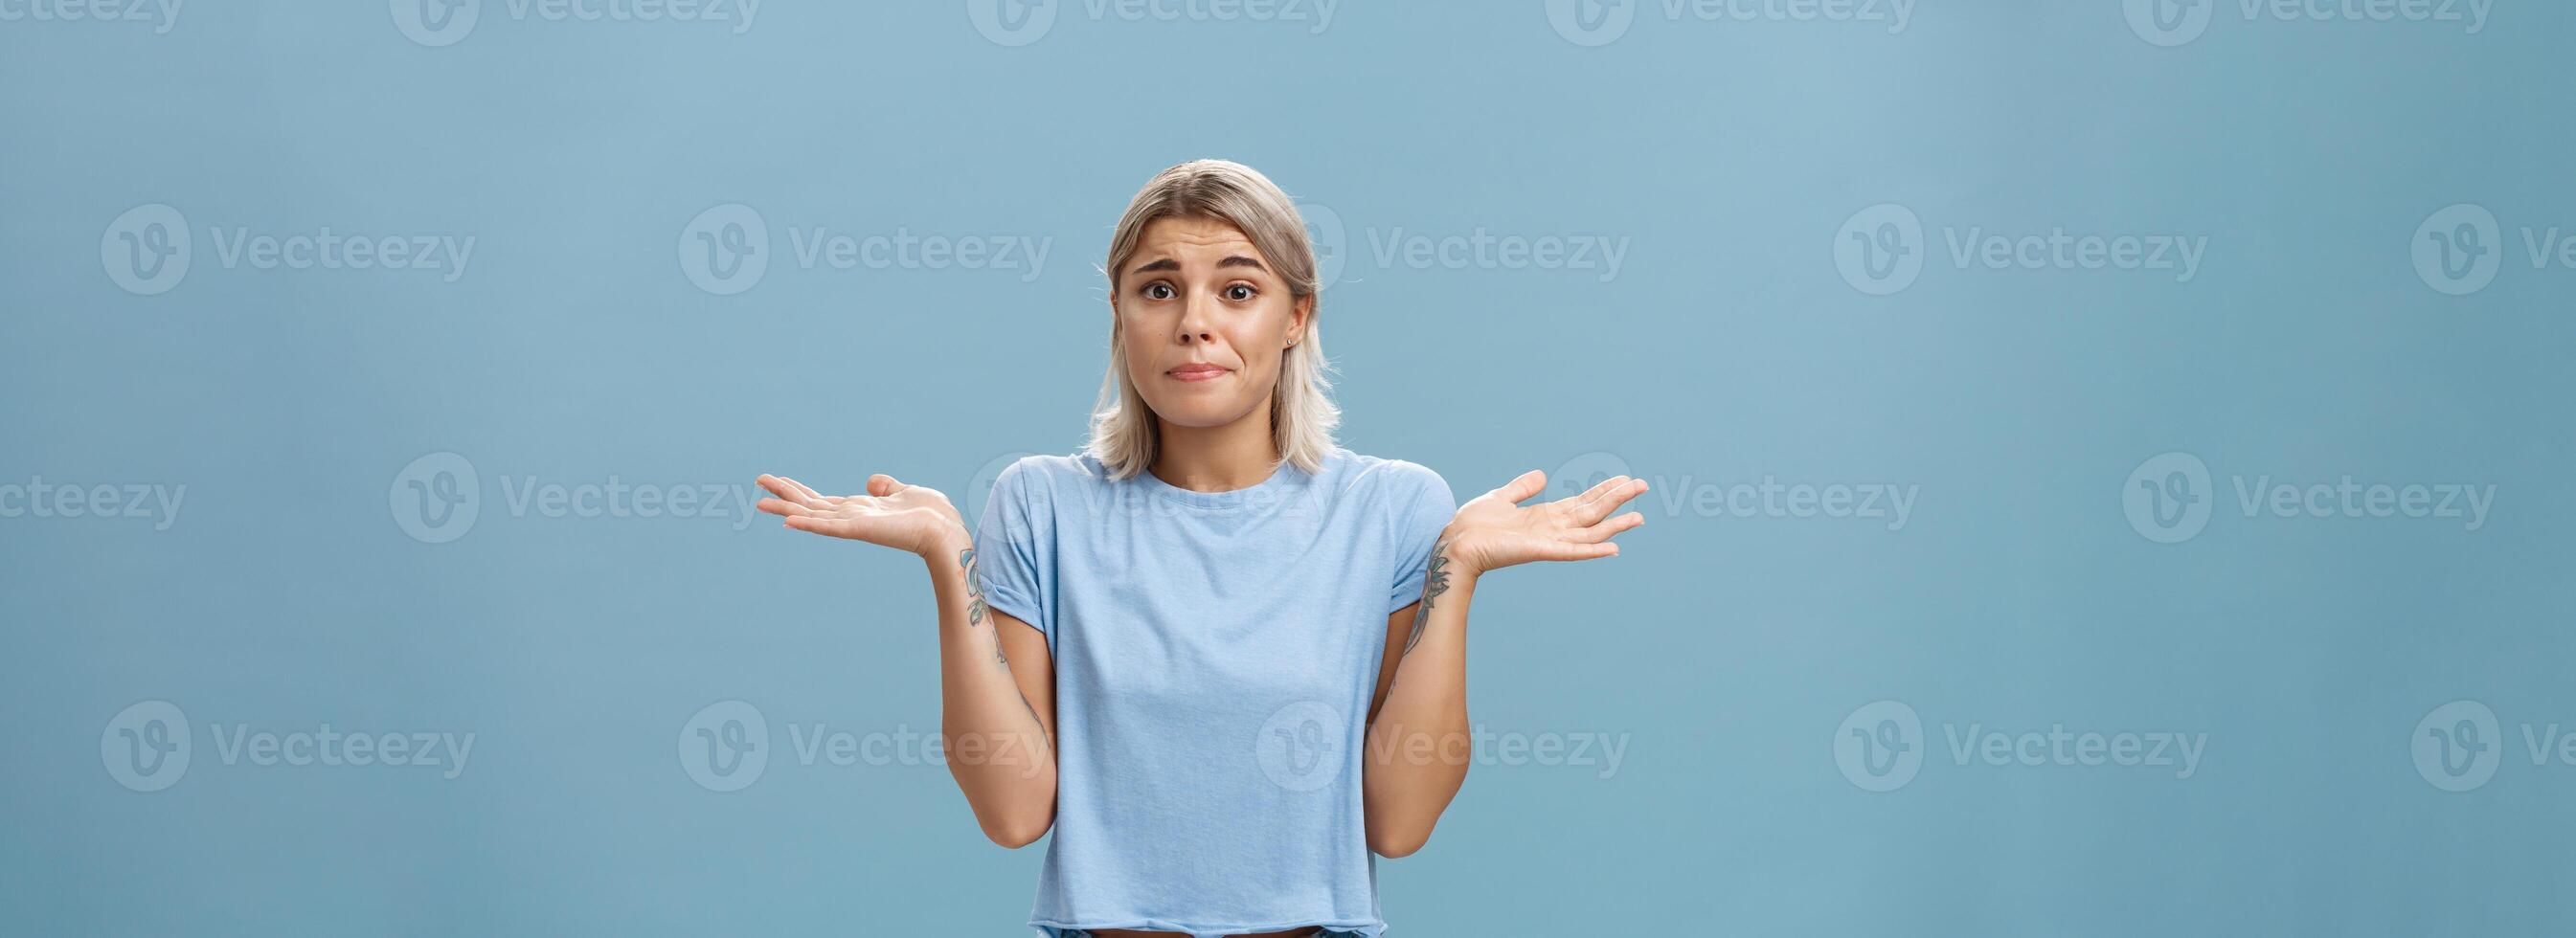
(1124, 433)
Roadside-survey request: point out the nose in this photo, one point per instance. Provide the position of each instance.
(1196, 316)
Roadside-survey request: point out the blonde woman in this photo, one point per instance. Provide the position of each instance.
(1222, 657)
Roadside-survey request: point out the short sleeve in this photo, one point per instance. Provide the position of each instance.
(1014, 548)
(1423, 506)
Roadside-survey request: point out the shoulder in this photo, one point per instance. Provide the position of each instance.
(1397, 482)
(1038, 478)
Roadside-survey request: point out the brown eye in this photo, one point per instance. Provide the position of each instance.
(1158, 290)
(1239, 293)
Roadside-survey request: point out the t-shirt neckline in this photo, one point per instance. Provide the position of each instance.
(1280, 476)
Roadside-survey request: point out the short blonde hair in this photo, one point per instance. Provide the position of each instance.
(1124, 434)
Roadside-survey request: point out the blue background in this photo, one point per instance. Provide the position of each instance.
(1726, 648)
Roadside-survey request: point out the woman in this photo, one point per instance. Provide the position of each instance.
(1168, 647)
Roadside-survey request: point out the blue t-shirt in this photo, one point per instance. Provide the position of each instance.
(1215, 654)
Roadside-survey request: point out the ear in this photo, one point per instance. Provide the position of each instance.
(1298, 315)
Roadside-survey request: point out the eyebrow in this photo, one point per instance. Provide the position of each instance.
(1233, 260)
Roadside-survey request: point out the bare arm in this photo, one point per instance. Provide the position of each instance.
(996, 680)
(1419, 745)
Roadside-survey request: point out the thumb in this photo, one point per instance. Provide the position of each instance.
(882, 485)
(1521, 488)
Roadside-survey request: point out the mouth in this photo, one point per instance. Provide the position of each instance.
(1198, 371)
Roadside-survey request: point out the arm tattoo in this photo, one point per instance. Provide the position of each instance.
(975, 606)
(1435, 581)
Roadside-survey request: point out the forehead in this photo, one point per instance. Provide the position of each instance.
(1192, 237)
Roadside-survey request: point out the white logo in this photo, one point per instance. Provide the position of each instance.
(145, 251)
(1591, 22)
(2458, 746)
(435, 23)
(725, 746)
(2458, 249)
(2168, 23)
(1879, 250)
(145, 748)
(1012, 22)
(725, 249)
(979, 489)
(1329, 240)
(2168, 497)
(1880, 746)
(1300, 747)
(1581, 473)
(436, 498)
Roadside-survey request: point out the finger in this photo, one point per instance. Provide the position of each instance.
(825, 525)
(778, 506)
(802, 494)
(882, 485)
(1588, 506)
(1608, 500)
(1575, 550)
(1520, 489)
(1607, 529)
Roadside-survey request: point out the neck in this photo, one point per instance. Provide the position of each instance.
(1237, 455)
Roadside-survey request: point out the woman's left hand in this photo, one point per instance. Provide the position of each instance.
(1493, 530)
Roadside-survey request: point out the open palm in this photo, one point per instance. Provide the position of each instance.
(913, 518)
(1493, 530)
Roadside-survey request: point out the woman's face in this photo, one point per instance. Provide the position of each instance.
(1204, 322)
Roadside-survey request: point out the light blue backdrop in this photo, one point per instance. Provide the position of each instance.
(2297, 247)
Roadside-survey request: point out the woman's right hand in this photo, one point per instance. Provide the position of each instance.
(912, 518)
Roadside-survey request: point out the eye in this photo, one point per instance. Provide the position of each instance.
(1241, 292)
(1157, 290)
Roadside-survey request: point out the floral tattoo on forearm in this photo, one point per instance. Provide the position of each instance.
(975, 606)
(1435, 581)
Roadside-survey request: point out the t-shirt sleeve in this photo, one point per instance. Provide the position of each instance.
(1014, 549)
(1420, 514)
